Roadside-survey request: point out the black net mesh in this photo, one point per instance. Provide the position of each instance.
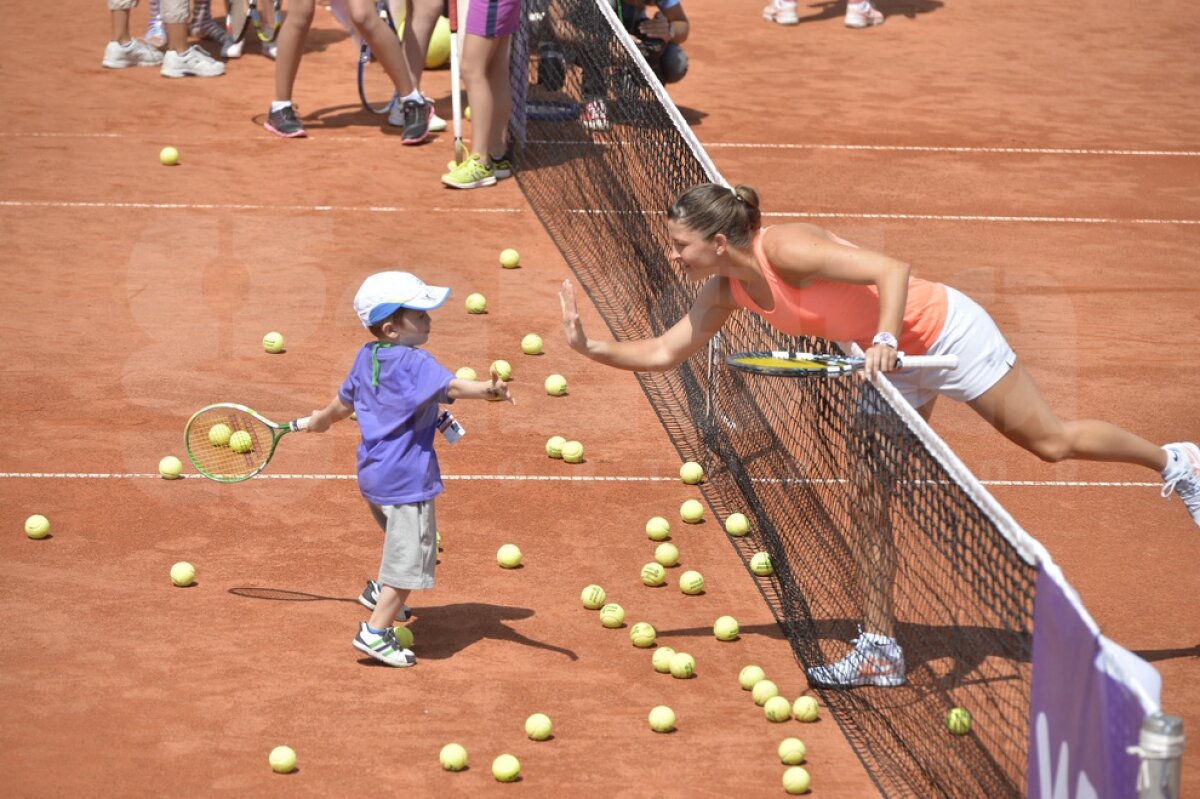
(839, 489)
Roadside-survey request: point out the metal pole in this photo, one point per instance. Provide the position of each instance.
(1160, 747)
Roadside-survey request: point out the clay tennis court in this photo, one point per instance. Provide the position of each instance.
(1044, 162)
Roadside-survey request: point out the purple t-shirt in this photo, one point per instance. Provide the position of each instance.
(398, 418)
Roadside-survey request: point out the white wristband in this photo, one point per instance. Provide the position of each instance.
(886, 339)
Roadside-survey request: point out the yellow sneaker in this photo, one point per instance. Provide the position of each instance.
(470, 174)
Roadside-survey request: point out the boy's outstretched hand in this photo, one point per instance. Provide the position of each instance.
(498, 390)
(576, 338)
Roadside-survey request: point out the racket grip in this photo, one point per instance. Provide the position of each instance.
(299, 424)
(927, 362)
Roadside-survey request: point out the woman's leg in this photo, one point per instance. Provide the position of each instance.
(478, 53)
(386, 48)
(290, 47)
(501, 91)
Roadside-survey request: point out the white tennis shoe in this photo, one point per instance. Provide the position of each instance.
(782, 12)
(1182, 476)
(134, 53)
(875, 660)
(862, 15)
(193, 61)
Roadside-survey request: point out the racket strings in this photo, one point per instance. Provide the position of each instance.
(239, 449)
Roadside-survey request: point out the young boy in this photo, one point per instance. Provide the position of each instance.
(394, 388)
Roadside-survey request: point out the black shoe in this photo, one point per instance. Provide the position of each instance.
(413, 116)
(285, 123)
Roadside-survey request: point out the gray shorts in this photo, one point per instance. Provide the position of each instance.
(409, 544)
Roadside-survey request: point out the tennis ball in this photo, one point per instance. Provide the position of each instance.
(760, 564)
(554, 446)
(667, 554)
(531, 344)
(682, 665)
(661, 659)
(241, 442)
(476, 303)
(170, 467)
(612, 615)
(467, 113)
(691, 583)
(806, 709)
(662, 719)
(510, 258)
(37, 526)
(273, 342)
(556, 385)
(737, 524)
(642, 635)
(218, 435)
(509, 556)
(404, 636)
(750, 676)
(725, 628)
(653, 574)
(691, 511)
(502, 370)
(792, 751)
(958, 720)
(183, 573)
(593, 597)
(169, 156)
(506, 768)
(282, 759)
(538, 727)
(762, 691)
(466, 373)
(658, 529)
(572, 452)
(439, 541)
(796, 780)
(777, 709)
(453, 757)
(691, 473)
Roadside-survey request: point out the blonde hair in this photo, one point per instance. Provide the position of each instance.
(710, 208)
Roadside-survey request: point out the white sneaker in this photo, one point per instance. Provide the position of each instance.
(232, 49)
(269, 49)
(384, 648)
(871, 662)
(862, 15)
(436, 123)
(193, 61)
(781, 11)
(134, 53)
(1182, 476)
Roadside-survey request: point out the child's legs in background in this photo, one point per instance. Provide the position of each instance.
(290, 46)
(386, 48)
(422, 17)
(501, 90)
(478, 53)
(119, 16)
(175, 16)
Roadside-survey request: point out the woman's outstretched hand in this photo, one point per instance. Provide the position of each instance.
(573, 328)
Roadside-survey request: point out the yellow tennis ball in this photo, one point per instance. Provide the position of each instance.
(572, 452)
(439, 541)
(183, 573)
(737, 524)
(538, 727)
(777, 709)
(760, 564)
(502, 370)
(556, 385)
(509, 556)
(593, 597)
(691, 473)
(453, 757)
(796, 780)
(691, 583)
(554, 446)
(667, 554)
(404, 636)
(612, 615)
(168, 156)
(762, 691)
(510, 258)
(218, 435)
(662, 719)
(438, 52)
(750, 676)
(682, 665)
(658, 529)
(170, 467)
(476, 303)
(506, 768)
(282, 759)
(467, 113)
(958, 720)
(806, 709)
(792, 751)
(241, 442)
(273, 342)
(37, 526)
(691, 511)
(642, 635)
(466, 373)
(661, 659)
(531, 344)
(653, 574)
(725, 628)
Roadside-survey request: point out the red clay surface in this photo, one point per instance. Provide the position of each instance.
(120, 317)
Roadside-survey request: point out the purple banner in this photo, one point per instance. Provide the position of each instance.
(1086, 704)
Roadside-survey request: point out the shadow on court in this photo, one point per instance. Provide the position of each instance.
(1153, 655)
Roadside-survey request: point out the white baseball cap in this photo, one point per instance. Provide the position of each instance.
(384, 293)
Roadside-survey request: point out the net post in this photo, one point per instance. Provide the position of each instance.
(1160, 748)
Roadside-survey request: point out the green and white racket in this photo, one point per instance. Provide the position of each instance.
(229, 443)
(809, 364)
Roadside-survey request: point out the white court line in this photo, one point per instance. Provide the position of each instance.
(372, 209)
(1063, 220)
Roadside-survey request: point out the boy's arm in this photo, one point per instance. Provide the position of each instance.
(335, 411)
(494, 389)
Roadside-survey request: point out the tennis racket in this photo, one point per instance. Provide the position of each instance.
(809, 364)
(242, 10)
(460, 150)
(230, 443)
(375, 89)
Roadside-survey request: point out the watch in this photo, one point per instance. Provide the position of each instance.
(886, 339)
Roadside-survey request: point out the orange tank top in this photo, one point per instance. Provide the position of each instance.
(839, 311)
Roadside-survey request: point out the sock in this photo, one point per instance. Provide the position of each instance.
(279, 105)
(415, 97)
(374, 631)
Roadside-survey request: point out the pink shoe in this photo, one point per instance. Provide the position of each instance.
(862, 14)
(782, 12)
(595, 115)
